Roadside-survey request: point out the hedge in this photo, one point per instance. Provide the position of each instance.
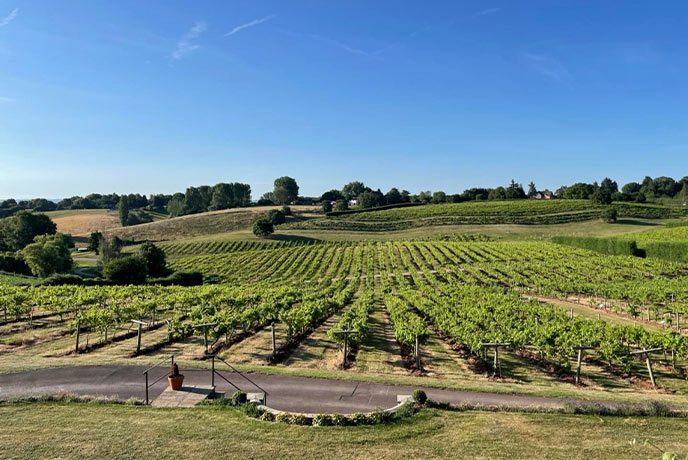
(676, 251)
(12, 264)
(611, 246)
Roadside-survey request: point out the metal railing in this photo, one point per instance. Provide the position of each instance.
(148, 385)
(234, 369)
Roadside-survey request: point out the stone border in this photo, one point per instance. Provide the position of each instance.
(259, 399)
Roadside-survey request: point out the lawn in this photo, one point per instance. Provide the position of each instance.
(87, 431)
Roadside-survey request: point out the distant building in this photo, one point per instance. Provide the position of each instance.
(546, 195)
(353, 202)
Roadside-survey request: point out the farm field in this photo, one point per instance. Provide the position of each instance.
(453, 295)
(527, 212)
(81, 222)
(207, 223)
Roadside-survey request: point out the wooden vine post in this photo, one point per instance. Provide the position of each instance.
(274, 342)
(169, 330)
(138, 336)
(417, 353)
(647, 352)
(346, 333)
(580, 349)
(205, 327)
(497, 367)
(78, 333)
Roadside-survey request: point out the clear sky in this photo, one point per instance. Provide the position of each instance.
(152, 96)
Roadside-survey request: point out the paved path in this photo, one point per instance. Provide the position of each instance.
(289, 393)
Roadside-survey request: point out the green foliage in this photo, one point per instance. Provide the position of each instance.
(341, 205)
(20, 230)
(351, 190)
(12, 264)
(419, 396)
(326, 206)
(601, 196)
(154, 258)
(276, 217)
(611, 246)
(94, 241)
(286, 210)
(238, 398)
(670, 250)
(263, 227)
(123, 209)
(126, 270)
(286, 190)
(109, 249)
(323, 420)
(610, 215)
(48, 254)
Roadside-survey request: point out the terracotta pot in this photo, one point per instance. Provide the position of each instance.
(176, 382)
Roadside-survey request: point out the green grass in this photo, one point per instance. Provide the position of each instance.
(89, 431)
(13, 278)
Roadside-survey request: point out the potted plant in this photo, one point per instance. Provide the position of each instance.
(176, 379)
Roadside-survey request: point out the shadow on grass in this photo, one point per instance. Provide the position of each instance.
(299, 238)
(637, 222)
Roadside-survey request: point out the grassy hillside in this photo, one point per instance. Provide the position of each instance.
(478, 213)
(208, 223)
(79, 222)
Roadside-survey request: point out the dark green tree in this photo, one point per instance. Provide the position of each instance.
(126, 270)
(327, 206)
(94, 241)
(123, 208)
(276, 217)
(532, 190)
(20, 230)
(48, 254)
(393, 196)
(351, 190)
(155, 259)
(263, 227)
(286, 190)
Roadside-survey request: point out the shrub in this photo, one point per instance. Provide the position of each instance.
(286, 210)
(283, 418)
(12, 264)
(326, 207)
(276, 217)
(610, 215)
(238, 398)
(359, 419)
(126, 270)
(298, 419)
(407, 410)
(669, 250)
(251, 410)
(419, 396)
(339, 420)
(263, 227)
(179, 279)
(48, 254)
(322, 420)
(267, 416)
(63, 279)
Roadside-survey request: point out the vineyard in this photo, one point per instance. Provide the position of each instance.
(528, 212)
(421, 309)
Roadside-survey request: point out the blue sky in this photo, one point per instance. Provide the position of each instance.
(153, 96)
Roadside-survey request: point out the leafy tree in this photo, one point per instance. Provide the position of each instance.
(327, 206)
(286, 190)
(123, 207)
(332, 195)
(110, 248)
(20, 230)
(425, 197)
(276, 217)
(194, 201)
(94, 241)
(601, 196)
(515, 191)
(666, 186)
(267, 199)
(367, 199)
(222, 197)
(532, 190)
(286, 210)
(498, 193)
(609, 186)
(405, 196)
(393, 196)
(175, 207)
(48, 254)
(579, 191)
(126, 270)
(683, 194)
(263, 227)
(155, 259)
(631, 188)
(341, 205)
(353, 189)
(439, 197)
